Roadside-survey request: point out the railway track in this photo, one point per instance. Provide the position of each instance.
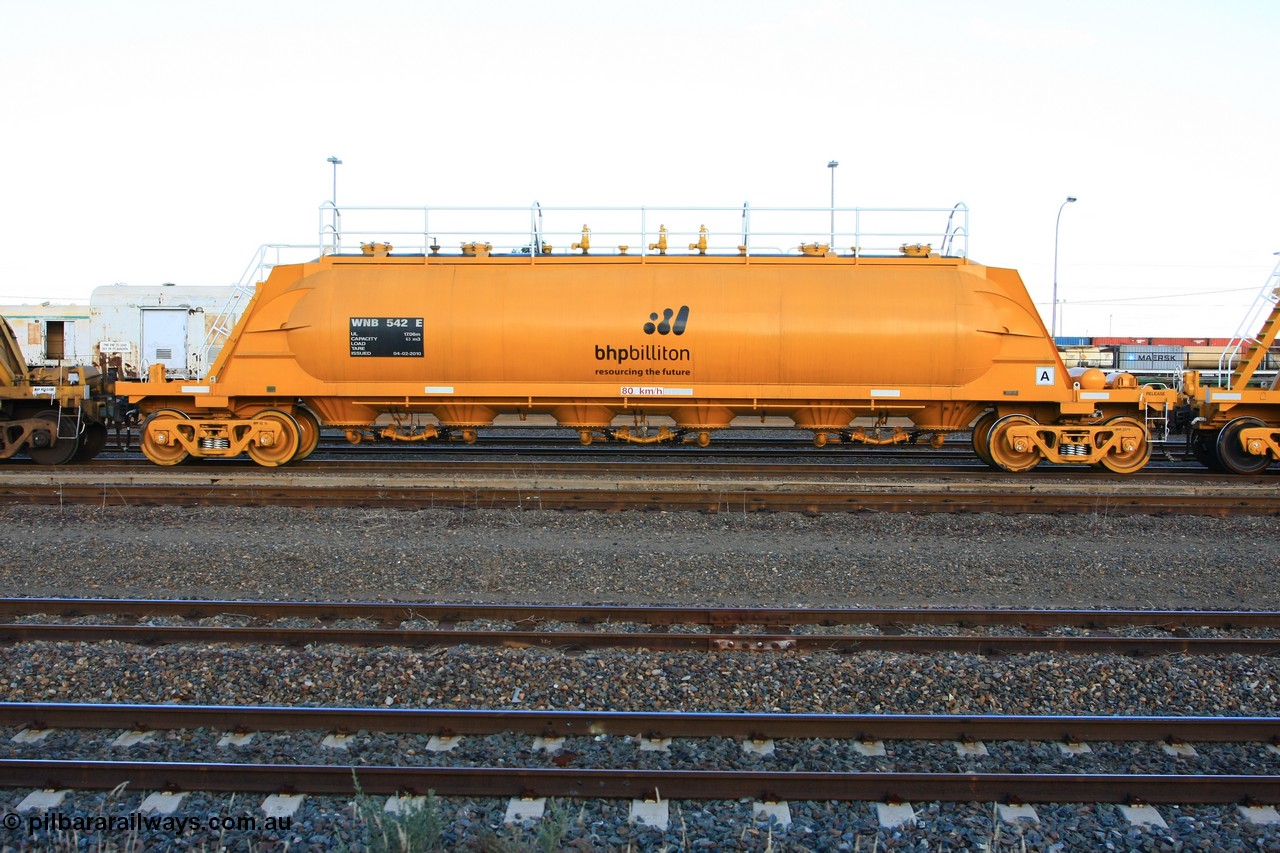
(747, 443)
(999, 632)
(320, 773)
(796, 453)
(553, 769)
(623, 485)
(643, 756)
(772, 466)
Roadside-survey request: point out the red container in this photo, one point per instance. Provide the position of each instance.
(1118, 342)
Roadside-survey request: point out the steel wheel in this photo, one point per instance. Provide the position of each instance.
(283, 450)
(982, 436)
(1122, 462)
(1005, 456)
(1232, 456)
(309, 432)
(170, 453)
(61, 451)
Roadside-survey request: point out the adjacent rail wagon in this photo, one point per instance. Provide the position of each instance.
(901, 346)
(1233, 425)
(127, 329)
(52, 414)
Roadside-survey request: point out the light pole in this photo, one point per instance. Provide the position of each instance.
(334, 200)
(832, 166)
(1053, 321)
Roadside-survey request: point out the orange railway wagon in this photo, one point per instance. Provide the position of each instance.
(908, 346)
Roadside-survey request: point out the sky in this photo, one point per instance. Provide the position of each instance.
(150, 142)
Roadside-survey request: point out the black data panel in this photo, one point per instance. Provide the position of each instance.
(386, 337)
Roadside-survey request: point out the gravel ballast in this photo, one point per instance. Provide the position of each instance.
(875, 560)
(535, 556)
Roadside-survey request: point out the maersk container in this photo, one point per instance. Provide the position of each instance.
(1140, 358)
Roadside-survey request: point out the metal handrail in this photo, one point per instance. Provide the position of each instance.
(265, 258)
(513, 230)
(738, 232)
(1246, 336)
(956, 228)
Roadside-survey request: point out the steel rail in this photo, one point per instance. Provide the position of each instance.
(574, 640)
(461, 465)
(549, 723)
(680, 465)
(610, 497)
(647, 467)
(651, 784)
(396, 612)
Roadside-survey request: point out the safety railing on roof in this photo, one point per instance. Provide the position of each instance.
(537, 230)
(746, 230)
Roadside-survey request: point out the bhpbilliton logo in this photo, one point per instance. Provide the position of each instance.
(666, 327)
